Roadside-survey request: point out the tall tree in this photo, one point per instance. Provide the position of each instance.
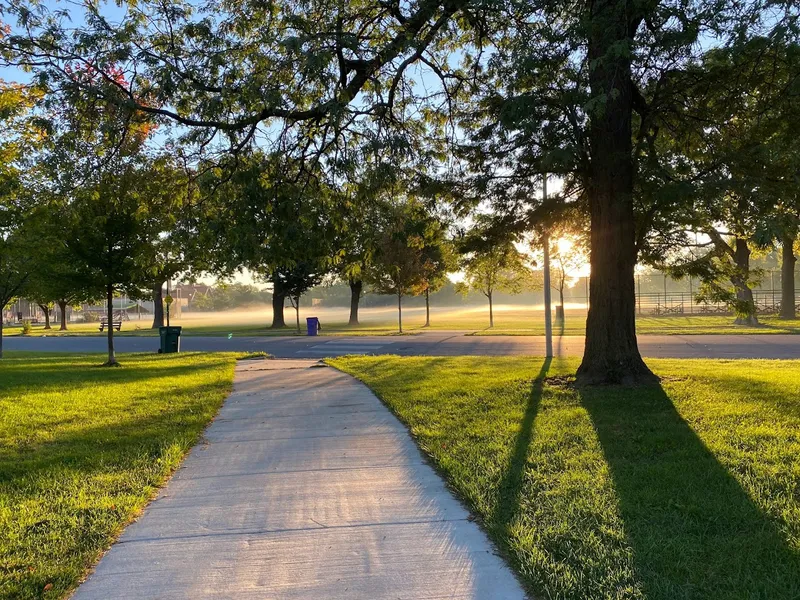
(17, 258)
(297, 280)
(438, 259)
(408, 235)
(495, 267)
(788, 286)
(19, 216)
(58, 281)
(568, 257)
(269, 216)
(112, 226)
(729, 147)
(357, 239)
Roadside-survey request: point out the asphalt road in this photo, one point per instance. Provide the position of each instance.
(432, 344)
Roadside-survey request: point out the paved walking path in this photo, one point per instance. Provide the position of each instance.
(305, 487)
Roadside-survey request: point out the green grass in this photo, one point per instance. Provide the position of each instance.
(509, 320)
(669, 325)
(82, 450)
(687, 490)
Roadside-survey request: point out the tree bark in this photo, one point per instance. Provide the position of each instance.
(158, 305)
(46, 311)
(788, 310)
(611, 354)
(62, 307)
(278, 303)
(356, 287)
(745, 306)
(2, 316)
(296, 302)
(427, 307)
(112, 359)
(560, 315)
(491, 310)
(400, 312)
(278, 320)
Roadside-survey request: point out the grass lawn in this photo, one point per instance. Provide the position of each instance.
(668, 325)
(82, 450)
(686, 490)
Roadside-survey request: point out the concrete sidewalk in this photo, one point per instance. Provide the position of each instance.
(305, 487)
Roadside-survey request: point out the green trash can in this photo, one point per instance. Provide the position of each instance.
(170, 339)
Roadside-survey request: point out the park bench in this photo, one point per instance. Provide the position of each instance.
(115, 324)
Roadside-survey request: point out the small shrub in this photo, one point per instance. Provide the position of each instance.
(26, 327)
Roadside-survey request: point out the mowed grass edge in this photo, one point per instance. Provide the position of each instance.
(686, 490)
(84, 448)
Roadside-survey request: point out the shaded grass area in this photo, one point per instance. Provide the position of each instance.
(511, 321)
(686, 490)
(83, 448)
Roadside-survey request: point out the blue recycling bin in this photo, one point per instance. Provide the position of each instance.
(312, 325)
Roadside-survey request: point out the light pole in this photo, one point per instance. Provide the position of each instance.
(168, 301)
(548, 323)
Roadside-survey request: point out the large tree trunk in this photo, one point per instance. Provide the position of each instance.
(356, 287)
(745, 305)
(278, 320)
(112, 359)
(611, 354)
(46, 311)
(158, 305)
(400, 312)
(787, 278)
(278, 302)
(62, 307)
(427, 307)
(2, 316)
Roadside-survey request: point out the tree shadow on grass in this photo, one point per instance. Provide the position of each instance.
(510, 487)
(69, 496)
(694, 532)
(96, 446)
(55, 376)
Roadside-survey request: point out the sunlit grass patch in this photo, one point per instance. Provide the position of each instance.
(83, 448)
(684, 490)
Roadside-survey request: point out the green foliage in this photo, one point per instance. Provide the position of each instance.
(19, 218)
(411, 254)
(112, 227)
(727, 143)
(499, 267)
(230, 296)
(110, 202)
(270, 214)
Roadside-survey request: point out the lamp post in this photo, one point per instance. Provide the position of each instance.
(548, 322)
(168, 301)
